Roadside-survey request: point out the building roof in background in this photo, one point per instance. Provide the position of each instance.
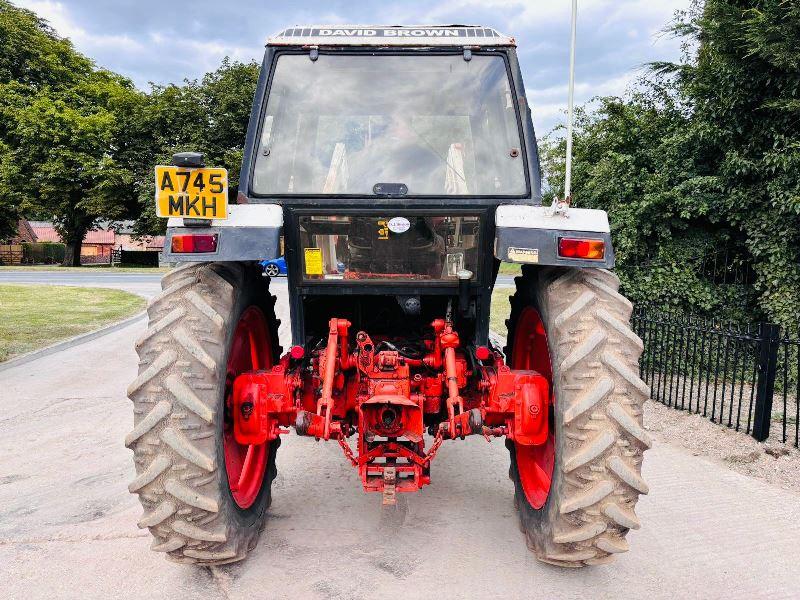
(99, 236)
(24, 232)
(45, 232)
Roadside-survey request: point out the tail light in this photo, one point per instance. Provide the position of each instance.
(194, 242)
(576, 248)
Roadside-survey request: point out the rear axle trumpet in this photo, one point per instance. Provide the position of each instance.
(388, 399)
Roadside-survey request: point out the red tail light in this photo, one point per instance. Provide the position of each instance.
(575, 248)
(194, 242)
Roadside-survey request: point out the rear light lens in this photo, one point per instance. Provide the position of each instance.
(194, 242)
(575, 248)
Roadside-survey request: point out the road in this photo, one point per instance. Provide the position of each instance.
(143, 283)
(68, 523)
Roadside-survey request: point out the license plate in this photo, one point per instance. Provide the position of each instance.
(196, 193)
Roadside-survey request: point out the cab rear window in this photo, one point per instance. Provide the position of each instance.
(389, 248)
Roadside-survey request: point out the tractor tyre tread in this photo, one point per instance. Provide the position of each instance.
(177, 402)
(600, 438)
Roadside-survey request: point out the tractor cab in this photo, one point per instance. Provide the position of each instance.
(388, 149)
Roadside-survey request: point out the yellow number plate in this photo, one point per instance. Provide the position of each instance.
(197, 193)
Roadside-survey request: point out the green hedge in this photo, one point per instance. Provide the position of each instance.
(48, 253)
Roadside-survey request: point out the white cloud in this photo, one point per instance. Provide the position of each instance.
(132, 57)
(549, 105)
(88, 43)
(615, 37)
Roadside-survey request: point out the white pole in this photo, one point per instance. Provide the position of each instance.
(571, 101)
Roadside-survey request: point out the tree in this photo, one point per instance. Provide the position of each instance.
(63, 160)
(9, 211)
(744, 87)
(209, 116)
(704, 156)
(31, 57)
(66, 147)
(227, 94)
(78, 144)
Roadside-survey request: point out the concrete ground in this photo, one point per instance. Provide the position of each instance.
(68, 523)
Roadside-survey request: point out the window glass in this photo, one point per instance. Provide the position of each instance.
(388, 248)
(437, 124)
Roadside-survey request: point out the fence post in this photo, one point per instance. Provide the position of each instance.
(765, 387)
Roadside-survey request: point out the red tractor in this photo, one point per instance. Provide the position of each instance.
(395, 168)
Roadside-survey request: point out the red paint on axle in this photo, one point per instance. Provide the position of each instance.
(389, 399)
(245, 459)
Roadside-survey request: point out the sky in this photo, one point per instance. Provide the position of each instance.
(166, 42)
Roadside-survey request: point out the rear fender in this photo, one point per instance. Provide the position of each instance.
(529, 234)
(251, 232)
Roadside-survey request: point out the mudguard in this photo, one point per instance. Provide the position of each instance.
(251, 232)
(529, 234)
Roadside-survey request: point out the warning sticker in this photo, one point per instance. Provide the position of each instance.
(524, 255)
(313, 260)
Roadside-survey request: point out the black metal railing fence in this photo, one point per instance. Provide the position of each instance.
(787, 385)
(744, 376)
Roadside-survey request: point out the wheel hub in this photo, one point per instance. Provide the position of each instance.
(534, 462)
(245, 464)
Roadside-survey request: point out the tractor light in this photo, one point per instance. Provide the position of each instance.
(588, 249)
(194, 243)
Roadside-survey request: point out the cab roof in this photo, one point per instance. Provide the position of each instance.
(390, 35)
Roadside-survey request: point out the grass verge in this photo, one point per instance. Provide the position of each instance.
(35, 316)
(510, 268)
(500, 310)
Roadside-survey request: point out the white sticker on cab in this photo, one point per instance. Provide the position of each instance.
(399, 225)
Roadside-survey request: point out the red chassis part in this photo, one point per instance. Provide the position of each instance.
(389, 397)
(246, 458)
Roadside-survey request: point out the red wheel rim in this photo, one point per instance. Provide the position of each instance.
(530, 352)
(245, 464)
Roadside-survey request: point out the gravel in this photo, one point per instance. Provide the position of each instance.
(727, 402)
(775, 463)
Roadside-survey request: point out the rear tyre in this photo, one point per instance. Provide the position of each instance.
(202, 328)
(588, 507)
